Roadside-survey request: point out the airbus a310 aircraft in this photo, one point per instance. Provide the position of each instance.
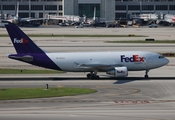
(116, 64)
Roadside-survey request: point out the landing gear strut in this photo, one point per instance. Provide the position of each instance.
(146, 74)
(93, 75)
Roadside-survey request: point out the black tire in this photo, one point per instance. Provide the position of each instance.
(146, 76)
(97, 77)
(88, 76)
(92, 77)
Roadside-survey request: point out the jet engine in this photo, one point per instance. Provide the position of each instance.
(118, 72)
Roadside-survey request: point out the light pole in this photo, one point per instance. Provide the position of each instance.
(29, 9)
(140, 6)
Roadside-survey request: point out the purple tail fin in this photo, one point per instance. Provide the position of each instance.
(21, 42)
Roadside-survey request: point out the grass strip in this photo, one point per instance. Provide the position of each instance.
(28, 93)
(74, 35)
(24, 71)
(141, 41)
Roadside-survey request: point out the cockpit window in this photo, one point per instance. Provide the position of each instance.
(161, 57)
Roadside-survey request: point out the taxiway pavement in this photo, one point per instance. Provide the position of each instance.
(133, 98)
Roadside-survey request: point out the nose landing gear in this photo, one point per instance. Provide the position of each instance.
(146, 74)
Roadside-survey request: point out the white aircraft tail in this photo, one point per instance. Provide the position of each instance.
(94, 13)
(17, 9)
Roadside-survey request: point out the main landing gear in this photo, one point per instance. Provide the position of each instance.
(146, 74)
(93, 75)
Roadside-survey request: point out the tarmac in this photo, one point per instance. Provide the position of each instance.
(133, 98)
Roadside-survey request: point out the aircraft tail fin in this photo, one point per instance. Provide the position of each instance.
(94, 17)
(17, 9)
(21, 42)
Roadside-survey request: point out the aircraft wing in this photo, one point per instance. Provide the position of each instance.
(31, 19)
(35, 19)
(98, 66)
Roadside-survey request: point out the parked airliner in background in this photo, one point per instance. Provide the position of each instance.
(113, 63)
(25, 22)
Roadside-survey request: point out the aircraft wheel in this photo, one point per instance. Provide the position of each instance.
(146, 76)
(92, 77)
(97, 77)
(88, 76)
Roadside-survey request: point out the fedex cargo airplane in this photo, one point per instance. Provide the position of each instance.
(116, 64)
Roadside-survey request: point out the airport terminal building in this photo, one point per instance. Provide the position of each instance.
(109, 9)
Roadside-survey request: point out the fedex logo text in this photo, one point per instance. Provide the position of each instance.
(134, 58)
(22, 40)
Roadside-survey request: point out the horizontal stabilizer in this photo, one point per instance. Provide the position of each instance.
(26, 58)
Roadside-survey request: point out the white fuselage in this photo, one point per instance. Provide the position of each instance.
(104, 61)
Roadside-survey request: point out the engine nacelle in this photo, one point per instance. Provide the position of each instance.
(118, 72)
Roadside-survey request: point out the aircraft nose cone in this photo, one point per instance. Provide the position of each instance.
(166, 61)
